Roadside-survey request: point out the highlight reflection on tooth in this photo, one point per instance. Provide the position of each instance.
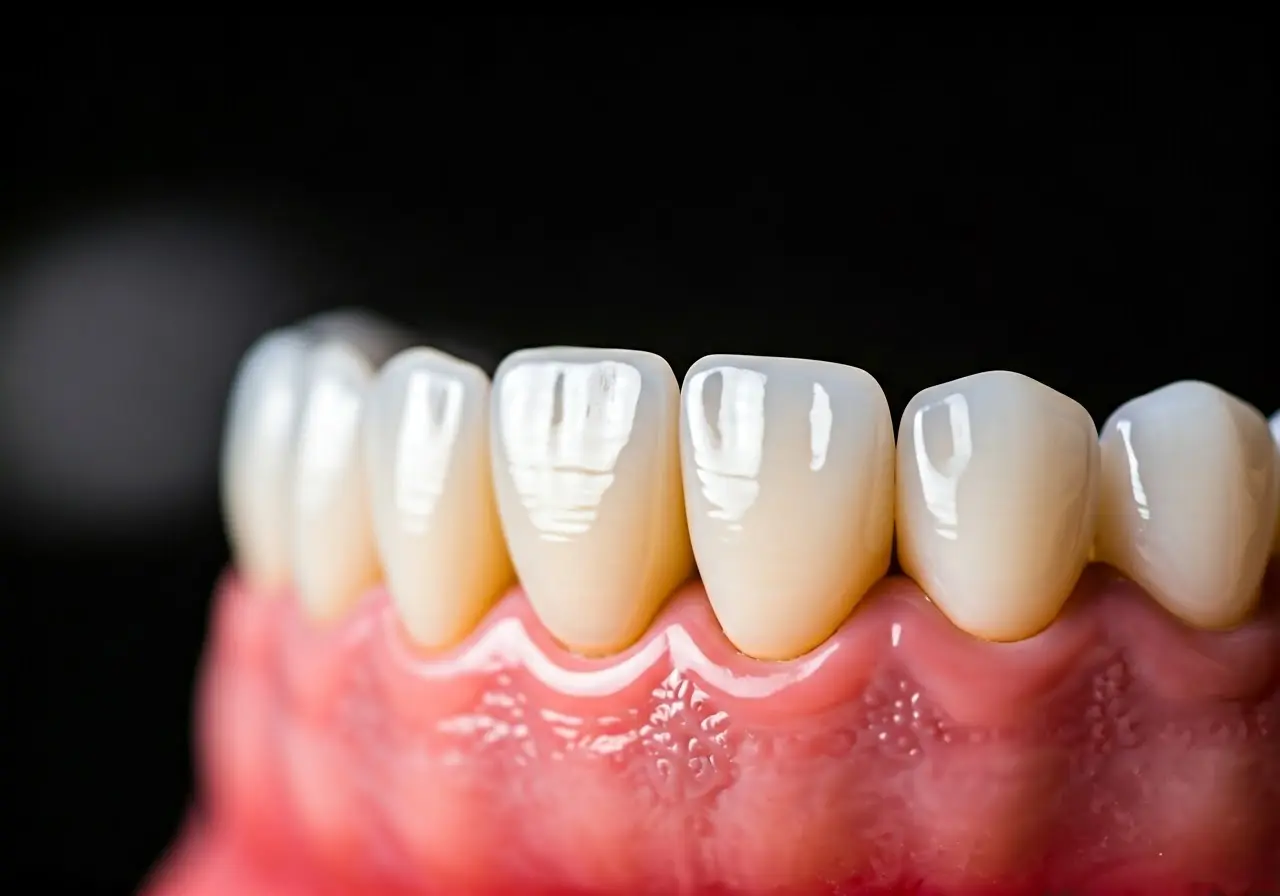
(257, 456)
(997, 494)
(334, 559)
(1189, 500)
(426, 437)
(587, 473)
(788, 469)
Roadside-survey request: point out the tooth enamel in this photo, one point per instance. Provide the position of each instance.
(257, 456)
(997, 496)
(788, 480)
(426, 437)
(587, 469)
(372, 337)
(1188, 500)
(334, 558)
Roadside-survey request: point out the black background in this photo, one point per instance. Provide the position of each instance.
(1086, 203)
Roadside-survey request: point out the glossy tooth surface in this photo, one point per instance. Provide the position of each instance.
(997, 498)
(426, 439)
(257, 456)
(1189, 500)
(788, 481)
(586, 465)
(334, 558)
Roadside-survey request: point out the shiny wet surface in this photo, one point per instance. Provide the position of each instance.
(1116, 748)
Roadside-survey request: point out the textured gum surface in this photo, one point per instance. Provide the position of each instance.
(1116, 752)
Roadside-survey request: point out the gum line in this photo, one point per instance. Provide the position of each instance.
(1116, 749)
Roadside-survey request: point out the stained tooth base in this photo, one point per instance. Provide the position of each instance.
(907, 752)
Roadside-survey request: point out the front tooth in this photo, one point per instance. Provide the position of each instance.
(997, 496)
(788, 480)
(257, 456)
(1188, 500)
(587, 468)
(426, 436)
(334, 558)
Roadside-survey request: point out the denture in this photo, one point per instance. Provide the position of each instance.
(586, 630)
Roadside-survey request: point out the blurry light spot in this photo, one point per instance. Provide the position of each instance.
(117, 347)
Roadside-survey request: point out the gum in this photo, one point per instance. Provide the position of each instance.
(1117, 751)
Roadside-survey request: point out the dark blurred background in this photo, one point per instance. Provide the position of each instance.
(1086, 203)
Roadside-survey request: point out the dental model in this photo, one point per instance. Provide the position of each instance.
(464, 649)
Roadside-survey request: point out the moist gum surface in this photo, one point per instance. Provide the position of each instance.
(1116, 749)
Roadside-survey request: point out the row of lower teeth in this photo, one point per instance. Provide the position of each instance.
(597, 480)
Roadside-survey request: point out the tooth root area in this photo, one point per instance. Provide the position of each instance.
(586, 467)
(788, 467)
(997, 485)
(334, 559)
(1189, 500)
(257, 456)
(426, 438)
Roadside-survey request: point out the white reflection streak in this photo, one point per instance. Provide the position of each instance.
(425, 446)
(328, 440)
(940, 486)
(508, 645)
(562, 464)
(728, 455)
(1125, 428)
(819, 428)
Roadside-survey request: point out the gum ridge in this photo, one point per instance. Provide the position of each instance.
(1119, 751)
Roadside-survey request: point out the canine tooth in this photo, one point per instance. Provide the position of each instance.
(587, 472)
(788, 481)
(334, 557)
(997, 496)
(426, 436)
(1189, 500)
(257, 456)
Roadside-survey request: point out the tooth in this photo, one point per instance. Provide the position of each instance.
(997, 496)
(334, 558)
(257, 456)
(373, 337)
(1189, 500)
(788, 480)
(426, 432)
(587, 469)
